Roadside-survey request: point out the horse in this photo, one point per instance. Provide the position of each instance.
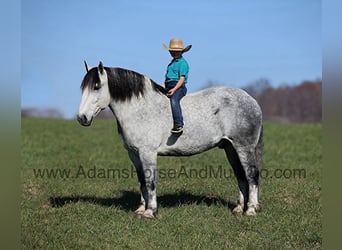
(223, 117)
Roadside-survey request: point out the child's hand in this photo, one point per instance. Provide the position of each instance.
(171, 92)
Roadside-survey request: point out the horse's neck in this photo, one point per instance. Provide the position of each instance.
(142, 108)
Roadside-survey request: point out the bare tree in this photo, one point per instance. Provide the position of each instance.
(258, 87)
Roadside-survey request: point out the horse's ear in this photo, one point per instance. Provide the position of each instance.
(101, 69)
(86, 66)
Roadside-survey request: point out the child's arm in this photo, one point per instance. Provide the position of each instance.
(178, 85)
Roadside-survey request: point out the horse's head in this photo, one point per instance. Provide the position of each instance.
(95, 94)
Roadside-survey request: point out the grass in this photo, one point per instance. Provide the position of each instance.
(92, 208)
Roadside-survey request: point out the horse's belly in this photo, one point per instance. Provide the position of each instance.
(175, 146)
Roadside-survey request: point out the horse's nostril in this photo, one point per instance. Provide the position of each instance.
(81, 119)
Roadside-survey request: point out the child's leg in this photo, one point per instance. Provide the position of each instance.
(176, 108)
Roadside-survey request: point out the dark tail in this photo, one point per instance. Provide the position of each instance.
(259, 150)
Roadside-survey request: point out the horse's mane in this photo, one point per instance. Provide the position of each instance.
(123, 84)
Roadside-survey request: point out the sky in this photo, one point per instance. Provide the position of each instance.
(233, 42)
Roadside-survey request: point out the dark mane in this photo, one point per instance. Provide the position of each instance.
(123, 84)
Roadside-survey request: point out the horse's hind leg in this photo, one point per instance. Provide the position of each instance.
(249, 163)
(240, 175)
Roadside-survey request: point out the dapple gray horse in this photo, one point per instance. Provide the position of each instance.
(221, 117)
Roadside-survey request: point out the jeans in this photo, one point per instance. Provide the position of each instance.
(175, 103)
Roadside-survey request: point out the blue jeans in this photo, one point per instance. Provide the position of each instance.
(175, 103)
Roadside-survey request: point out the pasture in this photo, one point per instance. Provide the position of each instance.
(79, 191)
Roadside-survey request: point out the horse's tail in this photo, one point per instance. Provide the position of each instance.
(259, 149)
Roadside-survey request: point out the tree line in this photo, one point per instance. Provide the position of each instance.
(300, 103)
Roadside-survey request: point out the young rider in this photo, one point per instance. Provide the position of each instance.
(175, 79)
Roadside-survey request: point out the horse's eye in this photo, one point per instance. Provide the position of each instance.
(97, 86)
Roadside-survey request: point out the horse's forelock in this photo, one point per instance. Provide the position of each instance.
(90, 79)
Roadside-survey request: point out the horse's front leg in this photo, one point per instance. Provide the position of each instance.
(149, 183)
(141, 178)
(145, 165)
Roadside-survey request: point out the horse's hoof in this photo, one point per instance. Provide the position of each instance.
(148, 214)
(140, 210)
(238, 210)
(251, 211)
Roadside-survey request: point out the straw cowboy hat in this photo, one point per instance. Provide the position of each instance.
(177, 45)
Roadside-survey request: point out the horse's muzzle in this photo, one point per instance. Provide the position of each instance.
(82, 119)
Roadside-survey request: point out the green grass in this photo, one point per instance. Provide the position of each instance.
(97, 212)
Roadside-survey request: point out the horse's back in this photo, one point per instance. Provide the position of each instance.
(226, 101)
(211, 115)
(230, 95)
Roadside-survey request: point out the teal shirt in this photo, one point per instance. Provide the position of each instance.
(177, 68)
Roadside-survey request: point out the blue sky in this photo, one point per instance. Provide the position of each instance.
(234, 43)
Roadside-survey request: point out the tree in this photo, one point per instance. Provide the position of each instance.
(258, 87)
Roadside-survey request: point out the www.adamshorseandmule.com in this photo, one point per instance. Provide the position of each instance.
(217, 172)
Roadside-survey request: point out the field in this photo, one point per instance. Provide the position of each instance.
(79, 191)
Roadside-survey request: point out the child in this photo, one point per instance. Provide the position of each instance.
(175, 79)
